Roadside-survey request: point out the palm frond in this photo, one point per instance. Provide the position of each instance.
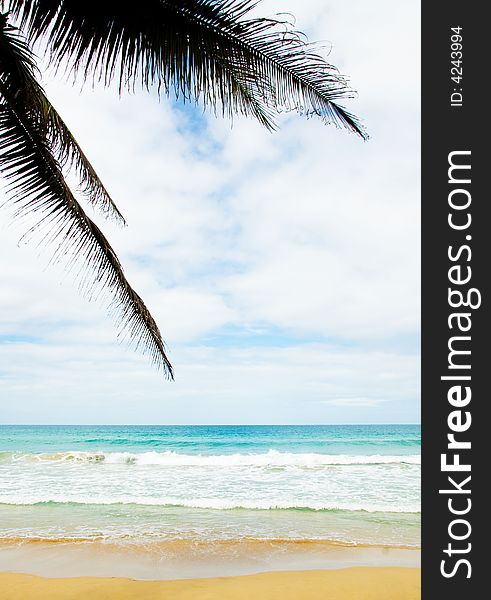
(208, 49)
(36, 187)
(18, 75)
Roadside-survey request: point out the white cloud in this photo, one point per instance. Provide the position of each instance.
(355, 402)
(85, 380)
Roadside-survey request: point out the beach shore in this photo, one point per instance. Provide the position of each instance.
(190, 559)
(369, 583)
(203, 513)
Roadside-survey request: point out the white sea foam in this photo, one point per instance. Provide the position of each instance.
(272, 458)
(204, 503)
(266, 481)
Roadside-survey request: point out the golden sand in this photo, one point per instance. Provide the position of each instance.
(367, 583)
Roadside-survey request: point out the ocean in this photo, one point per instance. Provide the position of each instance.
(342, 484)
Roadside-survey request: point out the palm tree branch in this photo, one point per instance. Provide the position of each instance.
(36, 186)
(189, 46)
(18, 73)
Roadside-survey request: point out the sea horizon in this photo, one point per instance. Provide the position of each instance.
(416, 424)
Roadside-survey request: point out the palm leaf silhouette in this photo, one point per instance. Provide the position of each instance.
(206, 49)
(33, 138)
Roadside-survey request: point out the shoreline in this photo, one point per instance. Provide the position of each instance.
(190, 559)
(355, 583)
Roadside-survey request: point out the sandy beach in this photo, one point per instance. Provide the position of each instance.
(344, 584)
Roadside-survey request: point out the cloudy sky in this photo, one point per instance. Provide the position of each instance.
(283, 269)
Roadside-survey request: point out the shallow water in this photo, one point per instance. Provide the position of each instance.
(348, 484)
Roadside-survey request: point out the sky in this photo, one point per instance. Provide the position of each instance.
(283, 269)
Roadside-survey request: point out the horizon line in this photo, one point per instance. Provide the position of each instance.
(196, 424)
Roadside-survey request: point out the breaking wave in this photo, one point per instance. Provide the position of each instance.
(272, 458)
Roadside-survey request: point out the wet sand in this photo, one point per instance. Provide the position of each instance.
(182, 559)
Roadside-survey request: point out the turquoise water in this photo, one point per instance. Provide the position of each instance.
(346, 483)
(335, 439)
